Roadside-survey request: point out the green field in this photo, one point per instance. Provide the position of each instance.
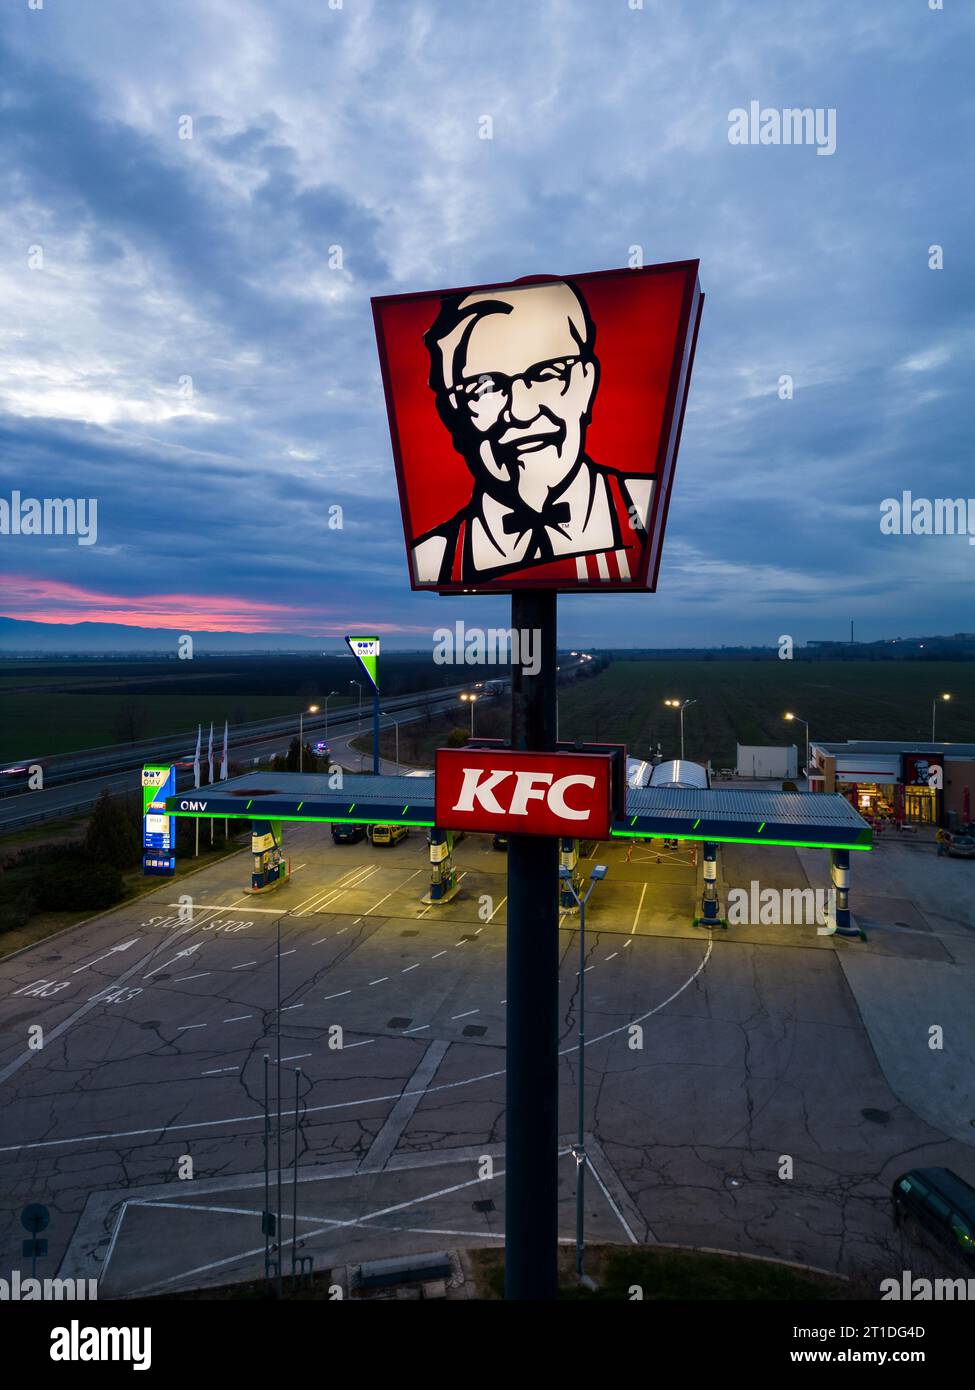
(737, 702)
(59, 706)
(53, 707)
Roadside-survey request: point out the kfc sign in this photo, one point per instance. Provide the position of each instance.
(535, 426)
(565, 794)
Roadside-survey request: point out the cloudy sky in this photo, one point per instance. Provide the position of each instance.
(182, 349)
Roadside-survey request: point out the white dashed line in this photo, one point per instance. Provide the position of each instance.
(184, 1028)
(295, 1057)
(613, 956)
(418, 1029)
(439, 953)
(408, 968)
(339, 995)
(358, 1044)
(218, 1071)
(379, 981)
(237, 1018)
(638, 907)
(301, 1006)
(180, 978)
(244, 965)
(454, 1017)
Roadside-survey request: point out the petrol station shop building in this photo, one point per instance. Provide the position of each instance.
(913, 783)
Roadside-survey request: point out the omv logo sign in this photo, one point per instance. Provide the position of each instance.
(193, 805)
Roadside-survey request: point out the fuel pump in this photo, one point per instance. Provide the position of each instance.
(270, 866)
(443, 874)
(569, 859)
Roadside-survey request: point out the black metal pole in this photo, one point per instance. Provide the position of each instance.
(532, 1119)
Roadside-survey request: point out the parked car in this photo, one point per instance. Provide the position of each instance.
(958, 846)
(943, 1207)
(500, 842)
(347, 834)
(388, 834)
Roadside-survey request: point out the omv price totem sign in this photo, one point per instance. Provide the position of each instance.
(564, 794)
(158, 834)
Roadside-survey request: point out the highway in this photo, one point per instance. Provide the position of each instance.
(73, 782)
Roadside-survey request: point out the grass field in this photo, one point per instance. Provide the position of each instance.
(737, 702)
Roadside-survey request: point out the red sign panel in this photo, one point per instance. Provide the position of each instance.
(923, 770)
(566, 794)
(535, 426)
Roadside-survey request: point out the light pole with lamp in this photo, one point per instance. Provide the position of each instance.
(327, 698)
(934, 711)
(795, 718)
(312, 709)
(681, 705)
(579, 1152)
(387, 715)
(472, 699)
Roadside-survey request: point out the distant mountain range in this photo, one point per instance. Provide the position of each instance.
(24, 638)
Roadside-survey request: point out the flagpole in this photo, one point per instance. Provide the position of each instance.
(196, 783)
(223, 777)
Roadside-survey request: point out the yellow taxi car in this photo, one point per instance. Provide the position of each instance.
(388, 834)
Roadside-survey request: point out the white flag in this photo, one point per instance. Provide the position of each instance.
(223, 759)
(196, 756)
(210, 751)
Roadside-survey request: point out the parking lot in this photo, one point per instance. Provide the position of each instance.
(708, 1059)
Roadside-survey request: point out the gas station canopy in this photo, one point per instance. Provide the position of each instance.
(814, 820)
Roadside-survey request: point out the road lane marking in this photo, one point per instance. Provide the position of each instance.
(218, 1071)
(236, 1018)
(379, 981)
(243, 965)
(180, 978)
(185, 1027)
(408, 968)
(339, 995)
(181, 1128)
(638, 907)
(122, 946)
(454, 1017)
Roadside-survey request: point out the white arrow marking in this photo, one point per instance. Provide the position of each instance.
(122, 946)
(188, 952)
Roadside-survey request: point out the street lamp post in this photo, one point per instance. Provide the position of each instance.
(387, 715)
(312, 709)
(327, 698)
(579, 1152)
(934, 712)
(796, 718)
(681, 705)
(471, 699)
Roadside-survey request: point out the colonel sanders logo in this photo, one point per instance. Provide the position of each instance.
(516, 376)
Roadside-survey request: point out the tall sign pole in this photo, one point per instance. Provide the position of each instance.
(366, 652)
(532, 1077)
(535, 427)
